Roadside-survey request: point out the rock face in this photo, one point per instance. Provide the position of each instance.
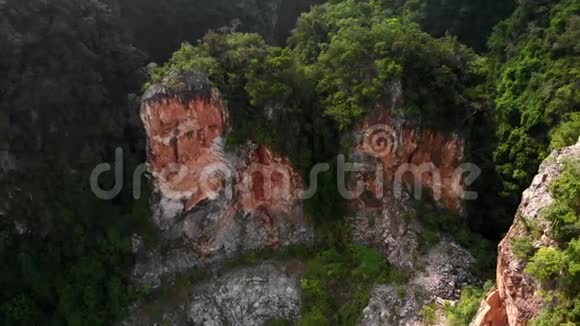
(419, 157)
(444, 270)
(396, 161)
(387, 228)
(392, 305)
(210, 204)
(247, 296)
(492, 311)
(516, 300)
(185, 130)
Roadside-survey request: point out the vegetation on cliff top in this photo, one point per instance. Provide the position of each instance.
(343, 59)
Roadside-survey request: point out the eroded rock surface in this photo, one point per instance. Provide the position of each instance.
(492, 311)
(442, 272)
(209, 204)
(185, 129)
(387, 221)
(394, 305)
(516, 296)
(394, 162)
(397, 161)
(246, 296)
(413, 155)
(390, 227)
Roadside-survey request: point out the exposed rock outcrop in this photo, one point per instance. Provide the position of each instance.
(516, 296)
(413, 155)
(492, 311)
(210, 204)
(246, 296)
(394, 305)
(397, 161)
(443, 272)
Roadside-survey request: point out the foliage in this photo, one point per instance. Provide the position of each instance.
(360, 52)
(65, 74)
(558, 269)
(564, 213)
(564, 313)
(522, 247)
(70, 268)
(327, 203)
(534, 56)
(546, 264)
(253, 257)
(567, 133)
(336, 286)
(68, 67)
(428, 314)
(465, 309)
(559, 272)
(159, 27)
(471, 21)
(277, 322)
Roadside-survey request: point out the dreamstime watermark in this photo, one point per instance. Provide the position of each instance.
(276, 179)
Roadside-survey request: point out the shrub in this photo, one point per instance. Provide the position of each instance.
(559, 268)
(567, 132)
(463, 312)
(428, 315)
(546, 264)
(522, 247)
(564, 212)
(337, 283)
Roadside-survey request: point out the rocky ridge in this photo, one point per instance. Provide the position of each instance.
(516, 299)
(211, 205)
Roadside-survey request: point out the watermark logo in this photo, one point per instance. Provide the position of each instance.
(380, 140)
(275, 179)
(118, 174)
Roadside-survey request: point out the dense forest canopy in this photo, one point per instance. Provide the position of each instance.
(67, 69)
(535, 72)
(70, 72)
(159, 26)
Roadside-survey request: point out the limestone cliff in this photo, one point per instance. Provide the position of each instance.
(209, 204)
(398, 161)
(397, 143)
(516, 299)
(393, 158)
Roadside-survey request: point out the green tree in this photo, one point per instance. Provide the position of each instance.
(535, 70)
(65, 74)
